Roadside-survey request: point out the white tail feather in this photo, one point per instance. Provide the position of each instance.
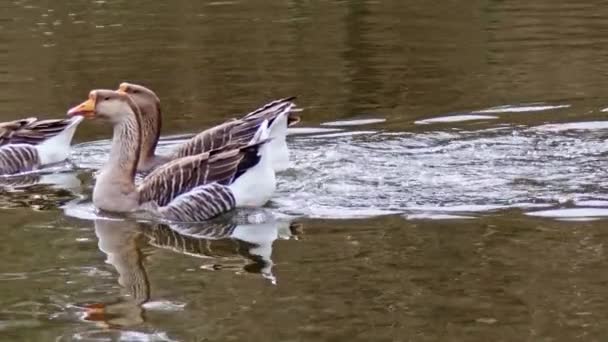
(278, 145)
(278, 128)
(57, 148)
(255, 187)
(261, 134)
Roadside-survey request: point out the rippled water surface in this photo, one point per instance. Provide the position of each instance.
(448, 179)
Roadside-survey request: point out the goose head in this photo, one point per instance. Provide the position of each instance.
(150, 121)
(147, 100)
(109, 105)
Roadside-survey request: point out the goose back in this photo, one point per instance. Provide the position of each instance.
(31, 130)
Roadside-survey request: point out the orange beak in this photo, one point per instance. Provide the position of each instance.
(86, 109)
(122, 88)
(96, 313)
(95, 310)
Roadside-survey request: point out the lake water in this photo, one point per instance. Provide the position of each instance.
(449, 176)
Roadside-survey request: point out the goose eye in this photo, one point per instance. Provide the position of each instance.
(106, 98)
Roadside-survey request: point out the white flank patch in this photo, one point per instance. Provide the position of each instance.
(57, 148)
(257, 185)
(278, 145)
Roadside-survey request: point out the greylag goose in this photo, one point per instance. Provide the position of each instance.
(241, 130)
(121, 242)
(193, 188)
(29, 144)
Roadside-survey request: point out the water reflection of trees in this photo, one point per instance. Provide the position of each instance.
(345, 57)
(38, 191)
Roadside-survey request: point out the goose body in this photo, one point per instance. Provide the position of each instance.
(29, 144)
(192, 188)
(235, 130)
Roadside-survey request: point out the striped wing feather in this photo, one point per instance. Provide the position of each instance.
(207, 140)
(272, 109)
(31, 130)
(187, 237)
(203, 203)
(184, 174)
(236, 131)
(15, 158)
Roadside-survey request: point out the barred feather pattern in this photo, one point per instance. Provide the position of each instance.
(150, 129)
(207, 140)
(17, 158)
(169, 237)
(272, 109)
(31, 130)
(18, 181)
(182, 175)
(235, 131)
(135, 279)
(203, 203)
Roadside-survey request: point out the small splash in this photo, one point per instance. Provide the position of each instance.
(459, 208)
(591, 203)
(432, 216)
(357, 122)
(522, 108)
(573, 126)
(343, 134)
(572, 213)
(339, 173)
(163, 305)
(85, 210)
(311, 130)
(455, 118)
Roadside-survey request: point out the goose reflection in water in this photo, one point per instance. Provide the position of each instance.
(250, 237)
(39, 191)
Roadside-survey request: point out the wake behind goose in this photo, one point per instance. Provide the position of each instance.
(438, 173)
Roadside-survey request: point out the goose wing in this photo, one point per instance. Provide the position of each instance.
(31, 130)
(237, 131)
(273, 109)
(220, 166)
(207, 140)
(15, 158)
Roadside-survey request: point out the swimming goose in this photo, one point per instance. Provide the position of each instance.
(233, 239)
(241, 130)
(29, 144)
(192, 188)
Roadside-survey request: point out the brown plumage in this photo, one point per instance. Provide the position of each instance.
(31, 130)
(231, 131)
(22, 143)
(189, 189)
(181, 175)
(235, 131)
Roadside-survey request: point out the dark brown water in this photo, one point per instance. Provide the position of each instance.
(471, 208)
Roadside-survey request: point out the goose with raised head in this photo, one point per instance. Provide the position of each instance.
(193, 188)
(234, 130)
(30, 144)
